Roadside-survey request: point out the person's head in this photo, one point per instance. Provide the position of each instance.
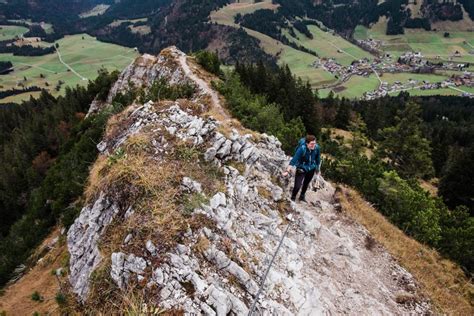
(310, 141)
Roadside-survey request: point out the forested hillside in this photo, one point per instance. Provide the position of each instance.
(46, 148)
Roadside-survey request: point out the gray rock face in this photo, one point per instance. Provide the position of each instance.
(124, 266)
(82, 239)
(147, 69)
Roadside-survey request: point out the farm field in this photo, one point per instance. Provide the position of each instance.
(390, 78)
(419, 92)
(97, 10)
(329, 45)
(298, 61)
(81, 52)
(226, 14)
(356, 86)
(10, 31)
(300, 64)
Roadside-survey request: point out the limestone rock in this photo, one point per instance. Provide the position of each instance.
(82, 239)
(191, 185)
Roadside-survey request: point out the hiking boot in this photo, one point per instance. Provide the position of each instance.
(293, 198)
(302, 199)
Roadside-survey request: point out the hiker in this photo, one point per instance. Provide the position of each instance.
(306, 159)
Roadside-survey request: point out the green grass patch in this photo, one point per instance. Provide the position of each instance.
(11, 31)
(226, 14)
(300, 65)
(419, 92)
(327, 44)
(357, 85)
(404, 77)
(83, 53)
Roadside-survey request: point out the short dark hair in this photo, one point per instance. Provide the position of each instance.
(310, 138)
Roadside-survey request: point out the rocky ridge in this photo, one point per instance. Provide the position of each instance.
(323, 265)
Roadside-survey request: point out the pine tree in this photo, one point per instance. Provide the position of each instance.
(405, 147)
(457, 183)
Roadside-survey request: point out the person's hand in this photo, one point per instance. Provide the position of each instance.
(285, 174)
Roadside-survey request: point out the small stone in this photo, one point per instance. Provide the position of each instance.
(102, 146)
(135, 264)
(198, 283)
(220, 300)
(150, 247)
(225, 149)
(128, 213)
(182, 249)
(192, 185)
(210, 154)
(217, 200)
(165, 293)
(158, 276)
(246, 153)
(207, 310)
(127, 239)
(236, 147)
(277, 193)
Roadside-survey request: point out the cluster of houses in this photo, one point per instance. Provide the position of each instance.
(371, 45)
(466, 79)
(362, 67)
(410, 62)
(417, 61)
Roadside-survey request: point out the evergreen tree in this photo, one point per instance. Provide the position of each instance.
(456, 185)
(405, 147)
(343, 114)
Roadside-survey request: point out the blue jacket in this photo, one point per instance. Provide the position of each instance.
(306, 159)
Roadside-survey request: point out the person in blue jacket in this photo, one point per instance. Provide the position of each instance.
(306, 160)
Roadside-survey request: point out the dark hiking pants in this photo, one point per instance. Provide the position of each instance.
(302, 178)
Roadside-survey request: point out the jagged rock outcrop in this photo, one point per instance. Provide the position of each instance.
(323, 266)
(83, 237)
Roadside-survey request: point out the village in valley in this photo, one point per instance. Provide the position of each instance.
(408, 62)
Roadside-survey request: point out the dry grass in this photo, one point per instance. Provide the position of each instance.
(17, 297)
(441, 280)
(431, 186)
(240, 166)
(264, 192)
(202, 244)
(284, 208)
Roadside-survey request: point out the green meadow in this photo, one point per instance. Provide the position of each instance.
(404, 77)
(10, 31)
(81, 52)
(329, 45)
(300, 64)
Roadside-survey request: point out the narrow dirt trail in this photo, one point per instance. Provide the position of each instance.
(204, 87)
(69, 67)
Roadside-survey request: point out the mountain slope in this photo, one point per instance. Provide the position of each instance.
(185, 209)
(189, 211)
